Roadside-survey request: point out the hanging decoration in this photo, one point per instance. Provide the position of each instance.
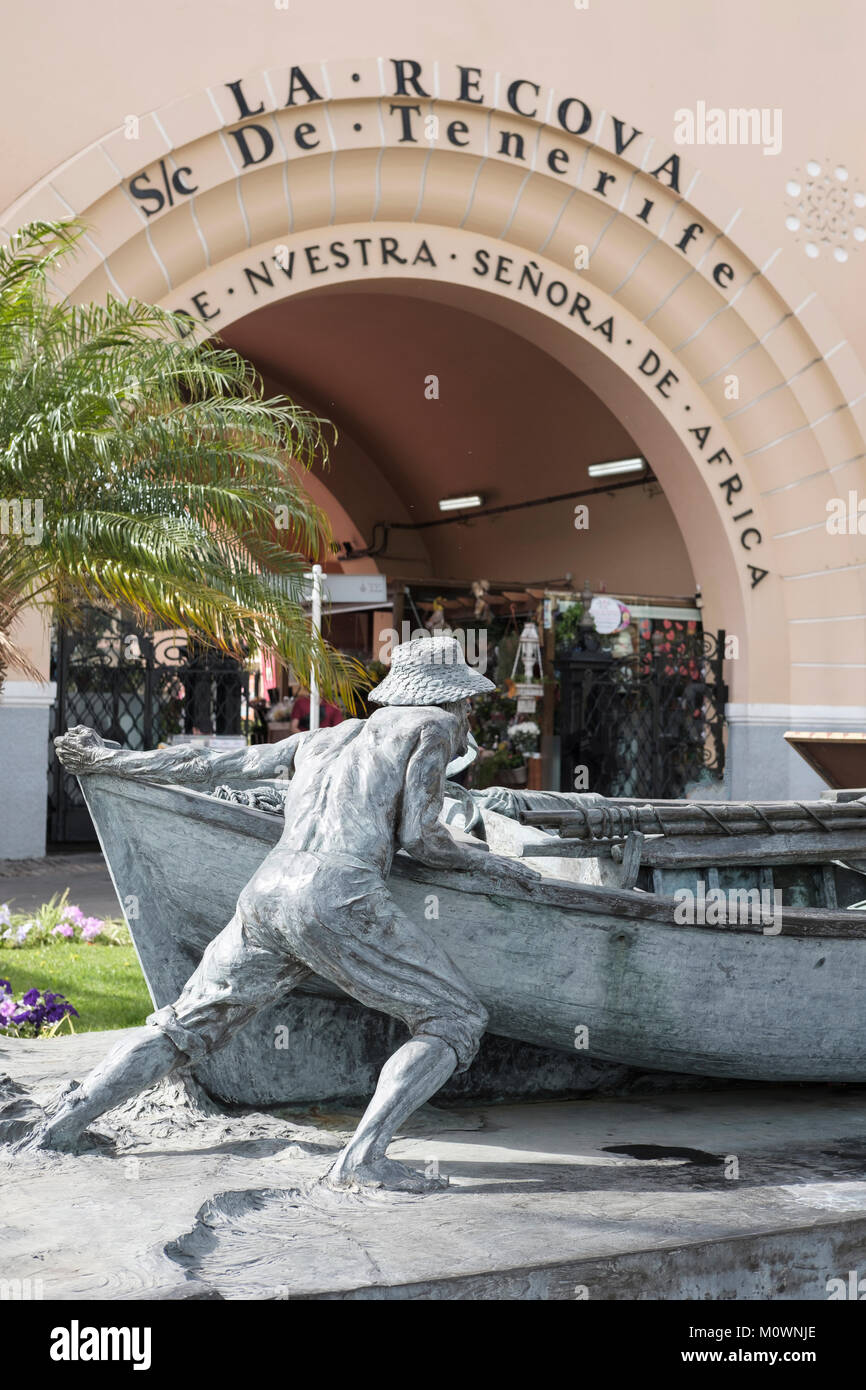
(608, 614)
(530, 689)
(437, 617)
(480, 590)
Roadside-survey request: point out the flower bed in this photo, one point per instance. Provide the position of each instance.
(59, 920)
(35, 1014)
(57, 954)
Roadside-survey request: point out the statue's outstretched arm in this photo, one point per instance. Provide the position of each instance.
(82, 752)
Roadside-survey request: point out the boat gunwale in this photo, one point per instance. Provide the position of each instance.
(629, 904)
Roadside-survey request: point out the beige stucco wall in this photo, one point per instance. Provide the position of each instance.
(73, 73)
(33, 636)
(788, 325)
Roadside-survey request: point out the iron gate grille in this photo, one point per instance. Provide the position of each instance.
(646, 725)
(138, 690)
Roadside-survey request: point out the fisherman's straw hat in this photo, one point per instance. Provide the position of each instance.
(429, 671)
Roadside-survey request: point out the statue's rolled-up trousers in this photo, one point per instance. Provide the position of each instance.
(332, 915)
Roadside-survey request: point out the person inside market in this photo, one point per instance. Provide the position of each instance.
(329, 715)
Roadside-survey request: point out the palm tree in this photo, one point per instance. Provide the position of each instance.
(158, 475)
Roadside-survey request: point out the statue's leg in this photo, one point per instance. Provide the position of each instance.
(411, 1076)
(130, 1067)
(357, 937)
(234, 980)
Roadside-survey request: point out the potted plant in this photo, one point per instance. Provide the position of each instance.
(568, 630)
(524, 737)
(500, 768)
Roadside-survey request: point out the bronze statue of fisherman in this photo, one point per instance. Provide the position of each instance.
(320, 903)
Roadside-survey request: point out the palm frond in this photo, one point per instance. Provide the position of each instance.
(168, 481)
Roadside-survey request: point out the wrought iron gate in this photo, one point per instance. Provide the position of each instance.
(138, 690)
(645, 725)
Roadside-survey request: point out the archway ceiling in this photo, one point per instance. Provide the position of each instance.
(509, 422)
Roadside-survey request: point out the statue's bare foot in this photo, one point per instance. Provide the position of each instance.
(380, 1173)
(53, 1134)
(63, 1139)
(62, 1130)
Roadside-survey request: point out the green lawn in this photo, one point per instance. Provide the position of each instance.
(104, 983)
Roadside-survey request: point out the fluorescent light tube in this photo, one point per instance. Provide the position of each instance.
(604, 470)
(456, 504)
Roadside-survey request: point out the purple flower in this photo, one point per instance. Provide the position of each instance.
(75, 915)
(63, 929)
(5, 915)
(60, 1011)
(5, 986)
(23, 932)
(91, 927)
(34, 1010)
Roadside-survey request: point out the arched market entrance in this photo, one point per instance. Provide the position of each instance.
(556, 221)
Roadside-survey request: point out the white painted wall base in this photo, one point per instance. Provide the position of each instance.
(761, 766)
(24, 713)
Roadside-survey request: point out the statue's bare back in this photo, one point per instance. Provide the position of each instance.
(362, 788)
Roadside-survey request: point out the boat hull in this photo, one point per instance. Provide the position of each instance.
(579, 972)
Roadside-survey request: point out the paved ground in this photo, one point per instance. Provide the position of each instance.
(758, 1194)
(27, 883)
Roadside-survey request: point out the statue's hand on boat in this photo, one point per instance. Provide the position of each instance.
(81, 749)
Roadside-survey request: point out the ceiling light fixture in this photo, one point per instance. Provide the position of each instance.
(605, 470)
(457, 504)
